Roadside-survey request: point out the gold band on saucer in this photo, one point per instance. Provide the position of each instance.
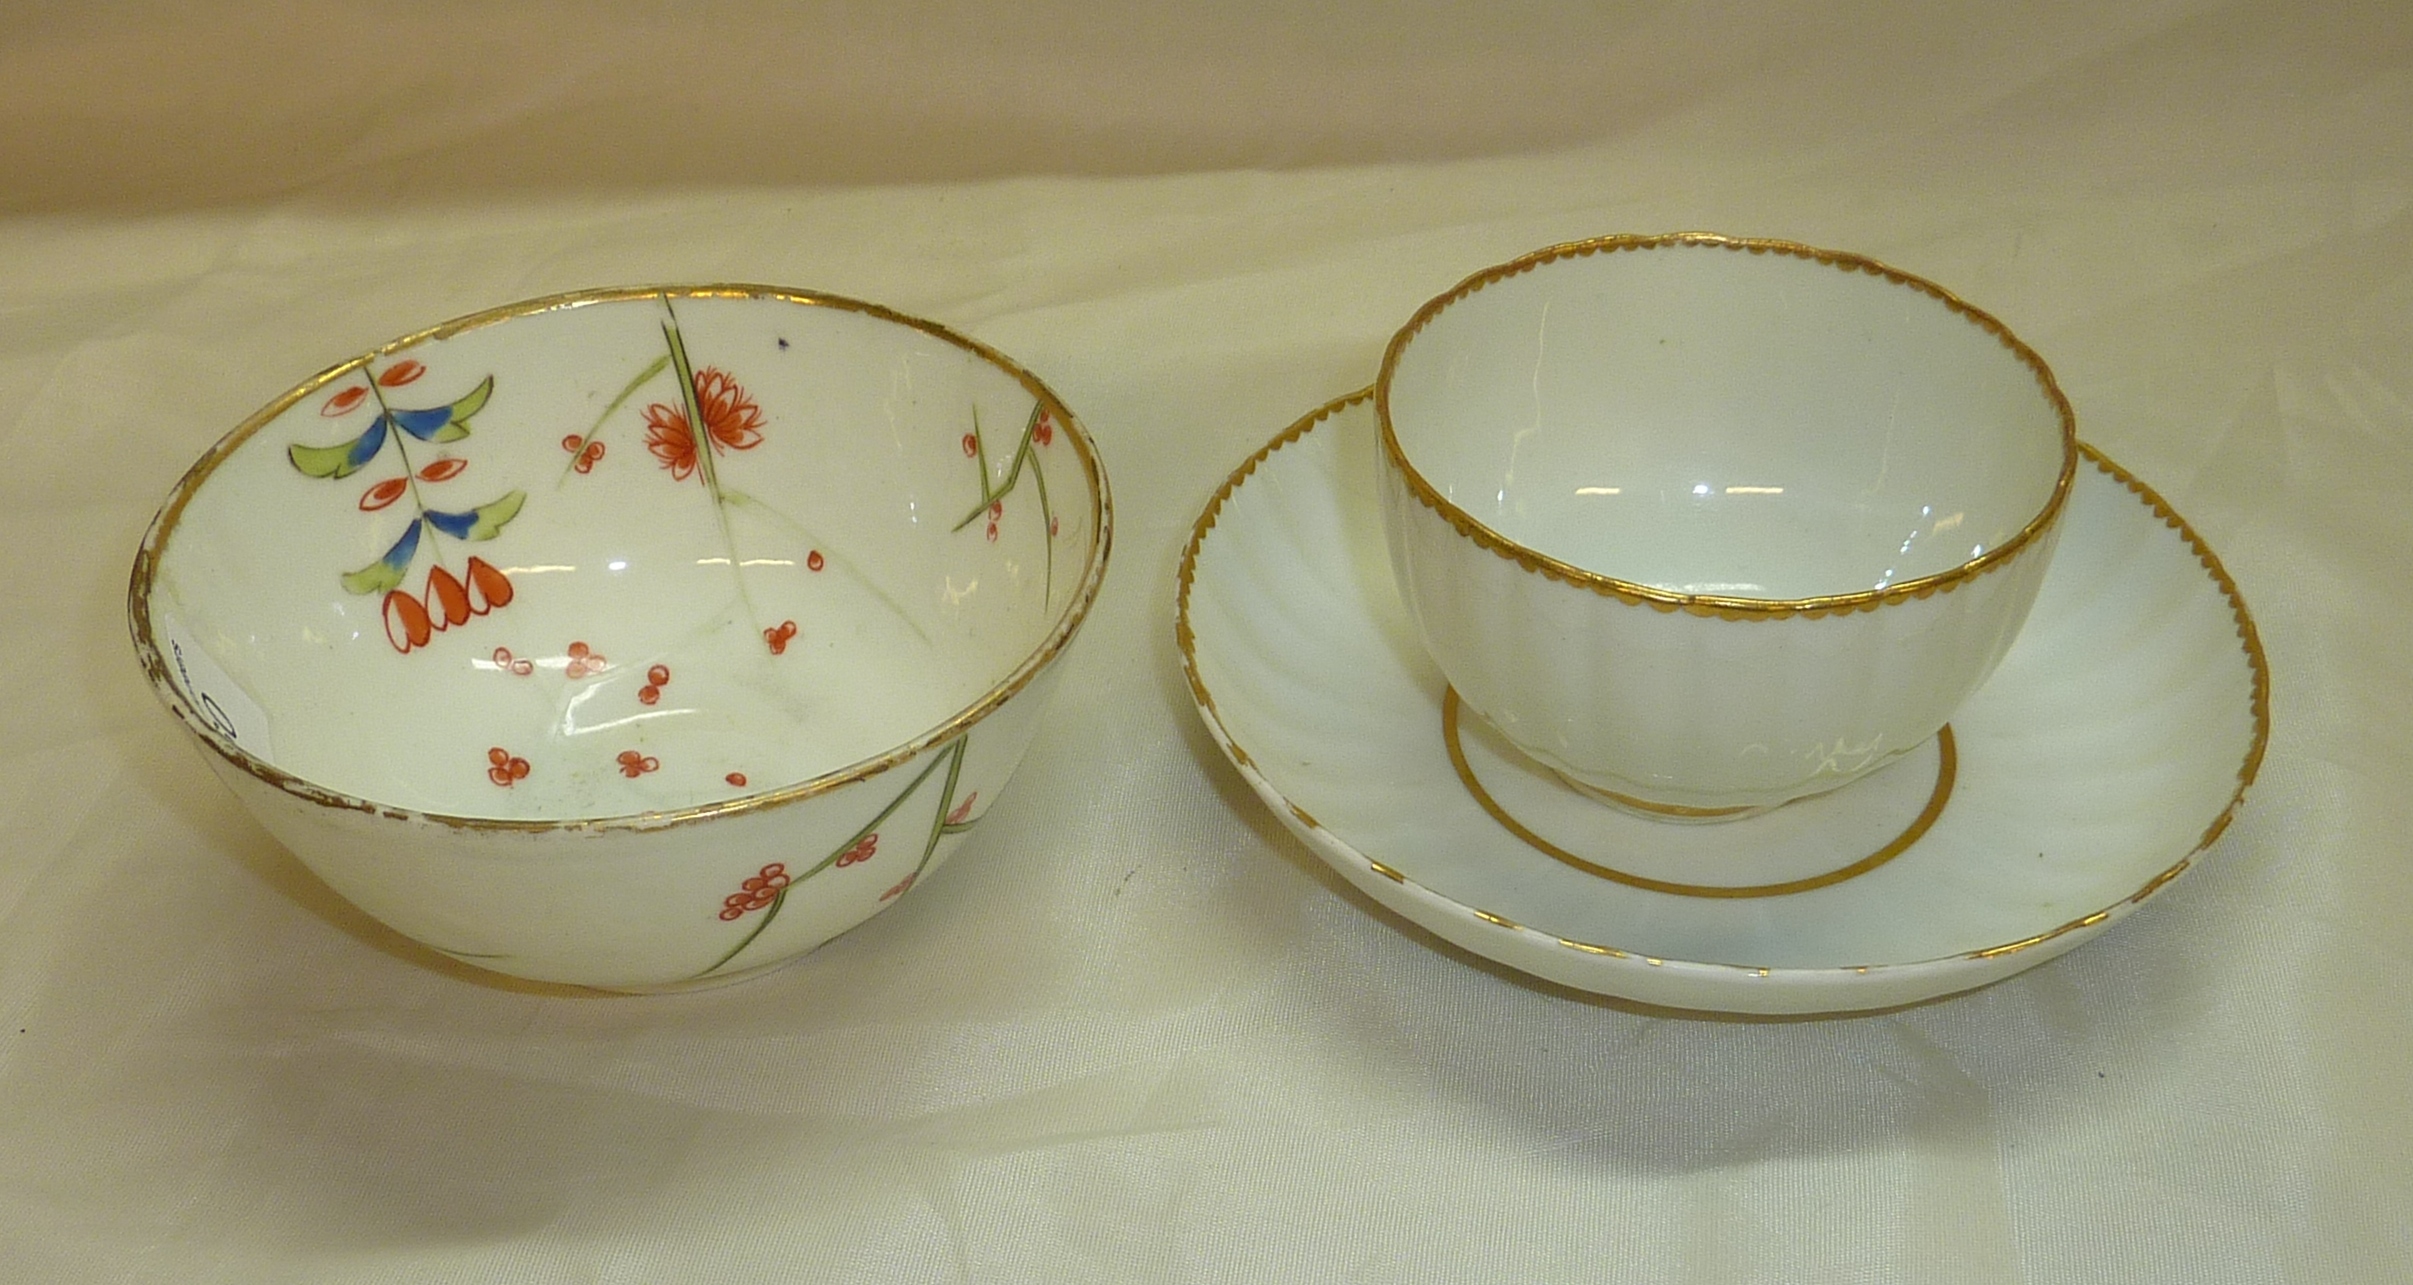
(1947, 769)
(1676, 811)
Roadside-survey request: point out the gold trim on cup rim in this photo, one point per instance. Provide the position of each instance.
(163, 526)
(1717, 605)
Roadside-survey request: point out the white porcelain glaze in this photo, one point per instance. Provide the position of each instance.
(541, 634)
(1712, 524)
(2111, 745)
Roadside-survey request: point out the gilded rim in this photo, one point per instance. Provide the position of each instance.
(2249, 638)
(163, 527)
(1717, 605)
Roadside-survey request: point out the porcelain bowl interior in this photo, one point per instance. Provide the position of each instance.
(1700, 416)
(677, 570)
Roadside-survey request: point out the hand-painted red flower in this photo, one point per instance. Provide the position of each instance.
(779, 636)
(758, 891)
(634, 765)
(1044, 432)
(731, 420)
(901, 886)
(410, 620)
(656, 679)
(963, 810)
(864, 850)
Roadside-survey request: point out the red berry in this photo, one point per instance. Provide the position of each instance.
(737, 779)
(648, 694)
(659, 675)
(498, 756)
(572, 443)
(971, 443)
(812, 561)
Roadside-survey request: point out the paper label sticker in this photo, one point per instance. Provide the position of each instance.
(213, 694)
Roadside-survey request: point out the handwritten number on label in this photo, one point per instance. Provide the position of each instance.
(210, 709)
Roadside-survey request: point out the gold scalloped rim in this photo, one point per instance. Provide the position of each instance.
(2248, 636)
(146, 570)
(1716, 605)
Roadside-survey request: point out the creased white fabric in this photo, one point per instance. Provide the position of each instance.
(1135, 1031)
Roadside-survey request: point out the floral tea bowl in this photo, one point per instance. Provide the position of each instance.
(635, 638)
(1706, 525)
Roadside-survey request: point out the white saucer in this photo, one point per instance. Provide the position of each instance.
(2113, 745)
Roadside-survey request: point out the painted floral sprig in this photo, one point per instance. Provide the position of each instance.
(767, 890)
(1037, 431)
(447, 600)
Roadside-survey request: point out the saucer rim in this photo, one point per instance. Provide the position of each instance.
(2060, 937)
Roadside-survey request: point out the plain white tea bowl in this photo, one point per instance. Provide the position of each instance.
(635, 638)
(1708, 524)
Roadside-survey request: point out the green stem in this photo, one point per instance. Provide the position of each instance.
(779, 899)
(946, 804)
(1047, 516)
(703, 457)
(1025, 452)
(410, 474)
(633, 385)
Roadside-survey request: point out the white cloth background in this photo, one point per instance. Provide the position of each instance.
(1135, 1031)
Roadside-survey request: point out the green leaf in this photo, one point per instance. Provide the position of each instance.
(377, 577)
(492, 516)
(451, 432)
(386, 572)
(471, 403)
(321, 461)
